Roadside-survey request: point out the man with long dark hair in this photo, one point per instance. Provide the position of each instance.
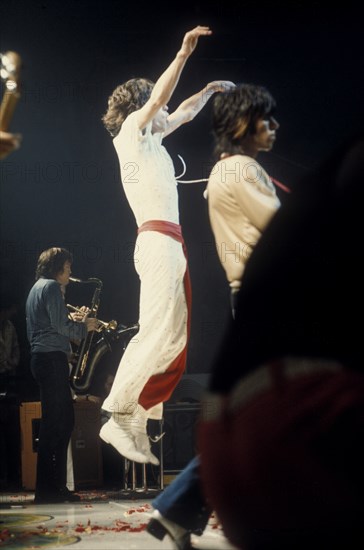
(242, 197)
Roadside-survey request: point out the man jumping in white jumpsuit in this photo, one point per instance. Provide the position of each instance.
(153, 363)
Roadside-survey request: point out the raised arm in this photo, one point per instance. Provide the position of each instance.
(189, 108)
(167, 82)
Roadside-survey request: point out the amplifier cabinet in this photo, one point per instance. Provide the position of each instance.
(85, 444)
(179, 441)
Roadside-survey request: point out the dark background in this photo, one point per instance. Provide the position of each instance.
(62, 187)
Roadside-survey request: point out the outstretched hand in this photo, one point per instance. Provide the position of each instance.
(221, 85)
(191, 38)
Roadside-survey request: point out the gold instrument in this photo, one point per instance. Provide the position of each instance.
(111, 325)
(10, 63)
(80, 374)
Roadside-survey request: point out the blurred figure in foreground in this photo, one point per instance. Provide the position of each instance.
(284, 416)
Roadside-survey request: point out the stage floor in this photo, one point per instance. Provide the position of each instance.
(100, 520)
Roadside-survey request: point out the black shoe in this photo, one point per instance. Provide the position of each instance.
(64, 495)
(69, 496)
(181, 542)
(51, 498)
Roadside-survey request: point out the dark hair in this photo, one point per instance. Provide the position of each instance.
(51, 262)
(235, 114)
(126, 99)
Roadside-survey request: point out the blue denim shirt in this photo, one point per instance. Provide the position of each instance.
(48, 325)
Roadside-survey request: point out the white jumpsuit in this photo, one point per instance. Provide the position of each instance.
(149, 183)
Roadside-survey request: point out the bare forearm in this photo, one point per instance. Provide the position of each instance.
(193, 105)
(167, 82)
(189, 108)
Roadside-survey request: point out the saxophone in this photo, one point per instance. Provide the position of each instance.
(119, 337)
(81, 375)
(93, 348)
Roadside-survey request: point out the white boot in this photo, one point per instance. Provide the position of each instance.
(139, 432)
(119, 435)
(142, 443)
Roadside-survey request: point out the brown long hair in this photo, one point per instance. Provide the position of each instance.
(51, 262)
(125, 99)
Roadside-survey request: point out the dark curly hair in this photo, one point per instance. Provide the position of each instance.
(235, 114)
(51, 262)
(126, 99)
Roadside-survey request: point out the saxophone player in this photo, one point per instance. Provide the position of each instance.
(50, 331)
